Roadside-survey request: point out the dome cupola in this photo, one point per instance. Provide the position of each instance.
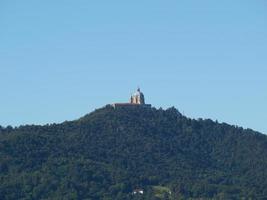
(138, 97)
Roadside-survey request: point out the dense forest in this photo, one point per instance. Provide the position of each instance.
(133, 153)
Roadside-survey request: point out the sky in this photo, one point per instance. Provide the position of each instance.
(60, 60)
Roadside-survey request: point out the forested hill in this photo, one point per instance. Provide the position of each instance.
(110, 153)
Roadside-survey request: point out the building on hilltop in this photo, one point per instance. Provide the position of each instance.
(137, 99)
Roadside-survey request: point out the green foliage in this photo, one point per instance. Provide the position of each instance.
(111, 152)
(162, 192)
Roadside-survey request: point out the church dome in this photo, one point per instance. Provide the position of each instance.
(138, 97)
(138, 92)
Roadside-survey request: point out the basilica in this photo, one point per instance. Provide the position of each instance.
(137, 99)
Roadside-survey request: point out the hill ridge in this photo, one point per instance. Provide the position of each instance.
(109, 153)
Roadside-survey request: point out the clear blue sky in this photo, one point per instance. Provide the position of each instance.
(62, 59)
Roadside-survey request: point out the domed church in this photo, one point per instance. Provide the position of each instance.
(137, 99)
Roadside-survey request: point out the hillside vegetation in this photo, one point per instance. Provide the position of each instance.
(109, 153)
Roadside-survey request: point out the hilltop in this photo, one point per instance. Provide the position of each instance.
(110, 153)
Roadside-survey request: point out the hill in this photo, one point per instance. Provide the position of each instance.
(110, 153)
